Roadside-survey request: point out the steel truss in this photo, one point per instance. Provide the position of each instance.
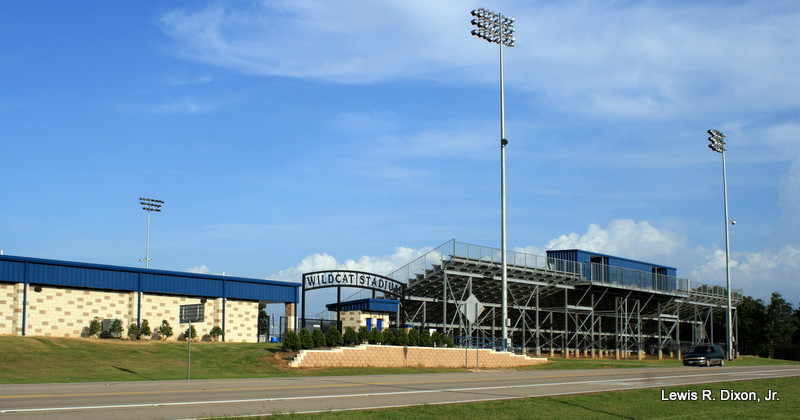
(552, 311)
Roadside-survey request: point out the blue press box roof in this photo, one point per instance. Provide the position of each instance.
(14, 269)
(366, 305)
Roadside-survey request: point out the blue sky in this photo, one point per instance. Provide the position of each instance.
(290, 136)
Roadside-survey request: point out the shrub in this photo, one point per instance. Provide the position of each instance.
(389, 337)
(165, 330)
(425, 339)
(116, 328)
(363, 335)
(133, 331)
(215, 333)
(401, 338)
(94, 328)
(189, 331)
(437, 338)
(144, 329)
(448, 341)
(291, 341)
(413, 338)
(376, 336)
(334, 337)
(306, 341)
(350, 337)
(319, 338)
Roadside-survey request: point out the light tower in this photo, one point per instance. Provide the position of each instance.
(149, 205)
(496, 28)
(718, 145)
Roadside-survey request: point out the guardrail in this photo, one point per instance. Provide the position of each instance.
(590, 272)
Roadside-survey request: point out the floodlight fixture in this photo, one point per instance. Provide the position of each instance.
(498, 29)
(149, 205)
(718, 146)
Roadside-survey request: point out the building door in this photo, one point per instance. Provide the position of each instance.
(369, 324)
(380, 324)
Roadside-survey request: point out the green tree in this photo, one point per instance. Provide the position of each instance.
(165, 330)
(363, 335)
(448, 341)
(752, 319)
(94, 327)
(133, 331)
(334, 337)
(144, 329)
(401, 337)
(376, 336)
(389, 337)
(780, 322)
(306, 341)
(350, 337)
(319, 338)
(291, 341)
(188, 331)
(263, 319)
(437, 339)
(116, 328)
(425, 339)
(215, 333)
(413, 337)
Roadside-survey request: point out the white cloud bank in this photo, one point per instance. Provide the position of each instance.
(652, 59)
(757, 273)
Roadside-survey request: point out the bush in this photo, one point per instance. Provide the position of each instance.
(334, 337)
(363, 335)
(133, 331)
(165, 330)
(144, 329)
(437, 338)
(319, 338)
(413, 338)
(215, 333)
(116, 328)
(401, 338)
(448, 341)
(425, 339)
(376, 336)
(193, 333)
(94, 327)
(306, 341)
(291, 341)
(389, 337)
(350, 337)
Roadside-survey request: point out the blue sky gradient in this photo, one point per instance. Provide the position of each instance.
(292, 136)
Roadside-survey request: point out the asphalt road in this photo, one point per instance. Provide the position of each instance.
(206, 398)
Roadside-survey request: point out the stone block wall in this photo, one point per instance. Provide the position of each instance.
(66, 312)
(398, 356)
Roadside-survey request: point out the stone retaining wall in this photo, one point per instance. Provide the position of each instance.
(367, 355)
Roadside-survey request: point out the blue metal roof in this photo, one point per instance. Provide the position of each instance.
(366, 305)
(14, 269)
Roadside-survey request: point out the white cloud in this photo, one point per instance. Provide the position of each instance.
(383, 265)
(654, 59)
(200, 269)
(789, 191)
(624, 238)
(758, 274)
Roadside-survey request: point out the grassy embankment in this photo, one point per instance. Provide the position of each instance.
(51, 359)
(644, 404)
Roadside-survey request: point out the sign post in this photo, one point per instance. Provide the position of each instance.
(191, 313)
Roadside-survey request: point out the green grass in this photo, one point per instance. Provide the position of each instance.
(52, 359)
(644, 404)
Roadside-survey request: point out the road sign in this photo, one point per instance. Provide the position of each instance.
(192, 313)
(471, 308)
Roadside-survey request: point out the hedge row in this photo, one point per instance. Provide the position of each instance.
(333, 338)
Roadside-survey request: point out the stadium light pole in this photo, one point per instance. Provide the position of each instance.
(718, 145)
(496, 28)
(149, 205)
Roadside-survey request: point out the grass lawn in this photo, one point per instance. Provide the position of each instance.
(644, 404)
(53, 359)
